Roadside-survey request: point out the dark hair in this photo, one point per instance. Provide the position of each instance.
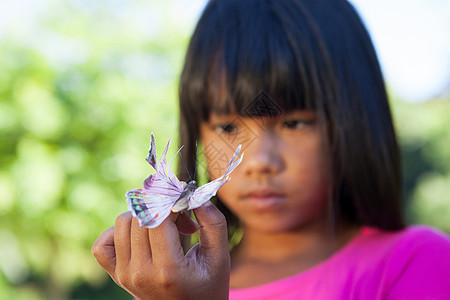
(313, 54)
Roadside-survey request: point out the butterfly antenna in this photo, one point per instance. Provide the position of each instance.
(196, 157)
(185, 166)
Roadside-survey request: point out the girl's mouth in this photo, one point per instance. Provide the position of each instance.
(263, 199)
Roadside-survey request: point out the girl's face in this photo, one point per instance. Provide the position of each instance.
(281, 183)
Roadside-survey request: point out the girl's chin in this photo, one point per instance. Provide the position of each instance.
(269, 225)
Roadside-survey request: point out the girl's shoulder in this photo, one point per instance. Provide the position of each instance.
(426, 234)
(412, 239)
(412, 263)
(406, 248)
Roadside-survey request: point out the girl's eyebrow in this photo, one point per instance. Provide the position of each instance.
(221, 117)
(301, 113)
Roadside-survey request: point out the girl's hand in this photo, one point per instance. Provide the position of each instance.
(150, 263)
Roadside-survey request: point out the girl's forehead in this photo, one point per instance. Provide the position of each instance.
(234, 116)
(255, 104)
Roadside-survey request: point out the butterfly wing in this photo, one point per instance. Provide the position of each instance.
(234, 162)
(166, 172)
(205, 192)
(209, 190)
(151, 157)
(150, 209)
(152, 204)
(163, 182)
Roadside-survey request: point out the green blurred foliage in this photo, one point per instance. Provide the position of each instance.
(424, 132)
(78, 99)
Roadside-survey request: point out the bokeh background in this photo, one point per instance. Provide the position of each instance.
(82, 84)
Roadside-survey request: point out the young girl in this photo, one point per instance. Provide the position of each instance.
(317, 197)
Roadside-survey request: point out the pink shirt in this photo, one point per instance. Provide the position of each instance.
(409, 264)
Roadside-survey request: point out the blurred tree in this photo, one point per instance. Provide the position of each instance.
(424, 131)
(79, 94)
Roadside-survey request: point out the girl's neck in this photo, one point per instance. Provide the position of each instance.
(285, 253)
(279, 245)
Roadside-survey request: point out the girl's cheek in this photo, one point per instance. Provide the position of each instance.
(217, 159)
(217, 153)
(227, 194)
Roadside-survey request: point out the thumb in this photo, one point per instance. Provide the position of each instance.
(213, 234)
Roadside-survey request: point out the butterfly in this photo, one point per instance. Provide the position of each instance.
(162, 192)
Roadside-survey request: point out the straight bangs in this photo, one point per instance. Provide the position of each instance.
(245, 53)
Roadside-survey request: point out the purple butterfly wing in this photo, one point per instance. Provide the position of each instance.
(166, 172)
(163, 182)
(209, 190)
(159, 184)
(152, 204)
(151, 157)
(150, 210)
(205, 192)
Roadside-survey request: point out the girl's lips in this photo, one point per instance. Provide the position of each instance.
(264, 199)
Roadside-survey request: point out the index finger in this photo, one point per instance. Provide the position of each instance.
(104, 251)
(165, 243)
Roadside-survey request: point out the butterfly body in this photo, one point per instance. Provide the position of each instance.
(163, 193)
(182, 204)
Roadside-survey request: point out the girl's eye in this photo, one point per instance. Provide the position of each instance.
(226, 128)
(296, 123)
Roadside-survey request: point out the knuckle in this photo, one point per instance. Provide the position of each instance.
(166, 278)
(216, 217)
(96, 251)
(139, 280)
(221, 220)
(103, 243)
(123, 218)
(95, 247)
(122, 278)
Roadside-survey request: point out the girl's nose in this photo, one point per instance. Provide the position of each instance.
(263, 155)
